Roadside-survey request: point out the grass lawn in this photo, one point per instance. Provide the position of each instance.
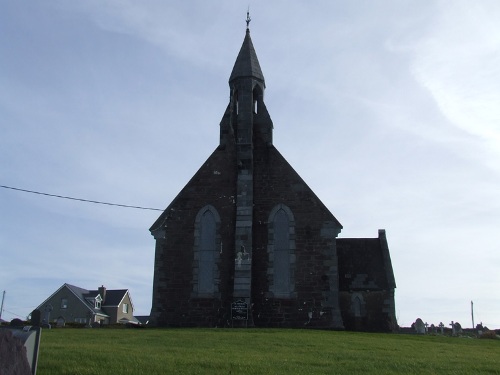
(260, 351)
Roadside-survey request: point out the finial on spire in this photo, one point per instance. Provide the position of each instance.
(248, 17)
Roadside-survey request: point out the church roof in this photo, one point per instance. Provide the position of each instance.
(365, 263)
(247, 64)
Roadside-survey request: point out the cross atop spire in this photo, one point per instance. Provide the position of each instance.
(248, 17)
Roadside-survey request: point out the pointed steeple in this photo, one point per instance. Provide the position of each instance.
(246, 118)
(247, 65)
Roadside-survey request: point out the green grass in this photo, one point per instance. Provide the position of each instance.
(260, 351)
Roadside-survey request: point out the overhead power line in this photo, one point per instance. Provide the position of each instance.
(80, 199)
(11, 313)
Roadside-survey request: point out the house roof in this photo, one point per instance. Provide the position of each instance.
(113, 298)
(84, 295)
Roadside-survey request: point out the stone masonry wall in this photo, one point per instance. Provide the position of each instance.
(312, 302)
(173, 301)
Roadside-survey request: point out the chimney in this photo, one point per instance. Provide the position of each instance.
(102, 292)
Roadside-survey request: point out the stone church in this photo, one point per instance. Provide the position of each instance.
(247, 243)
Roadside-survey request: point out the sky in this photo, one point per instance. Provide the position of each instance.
(389, 110)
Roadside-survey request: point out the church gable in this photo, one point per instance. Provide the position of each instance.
(248, 231)
(276, 180)
(213, 182)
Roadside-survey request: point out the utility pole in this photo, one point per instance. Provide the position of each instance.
(472, 313)
(1, 307)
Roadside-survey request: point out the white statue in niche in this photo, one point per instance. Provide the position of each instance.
(241, 255)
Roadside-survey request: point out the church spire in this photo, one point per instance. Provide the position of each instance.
(247, 65)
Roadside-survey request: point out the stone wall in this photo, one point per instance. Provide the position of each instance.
(173, 284)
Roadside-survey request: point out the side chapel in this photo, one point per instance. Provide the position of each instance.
(246, 228)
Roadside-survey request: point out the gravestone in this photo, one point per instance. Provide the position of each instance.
(46, 316)
(19, 348)
(36, 316)
(479, 328)
(419, 326)
(13, 357)
(441, 327)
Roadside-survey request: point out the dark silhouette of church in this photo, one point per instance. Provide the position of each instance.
(247, 243)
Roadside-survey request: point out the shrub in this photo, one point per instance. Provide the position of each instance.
(489, 335)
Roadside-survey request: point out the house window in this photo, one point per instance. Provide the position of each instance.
(125, 308)
(81, 320)
(281, 251)
(206, 252)
(64, 303)
(97, 302)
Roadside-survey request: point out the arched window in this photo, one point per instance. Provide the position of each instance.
(257, 97)
(357, 305)
(236, 102)
(206, 256)
(281, 250)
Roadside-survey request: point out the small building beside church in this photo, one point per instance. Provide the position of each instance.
(247, 231)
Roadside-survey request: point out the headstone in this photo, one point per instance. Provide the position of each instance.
(36, 316)
(419, 326)
(458, 328)
(60, 322)
(479, 328)
(13, 356)
(441, 327)
(46, 317)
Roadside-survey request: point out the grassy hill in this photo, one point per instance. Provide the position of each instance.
(260, 351)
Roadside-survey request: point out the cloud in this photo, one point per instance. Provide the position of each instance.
(388, 110)
(458, 62)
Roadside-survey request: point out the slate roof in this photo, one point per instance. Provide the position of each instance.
(365, 264)
(83, 294)
(247, 64)
(113, 297)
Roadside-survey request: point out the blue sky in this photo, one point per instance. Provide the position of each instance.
(387, 109)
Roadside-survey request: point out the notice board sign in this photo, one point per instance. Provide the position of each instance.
(239, 310)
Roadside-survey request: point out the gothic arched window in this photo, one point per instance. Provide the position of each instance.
(281, 248)
(257, 97)
(206, 256)
(357, 305)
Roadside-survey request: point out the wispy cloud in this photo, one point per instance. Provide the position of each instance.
(458, 61)
(387, 109)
